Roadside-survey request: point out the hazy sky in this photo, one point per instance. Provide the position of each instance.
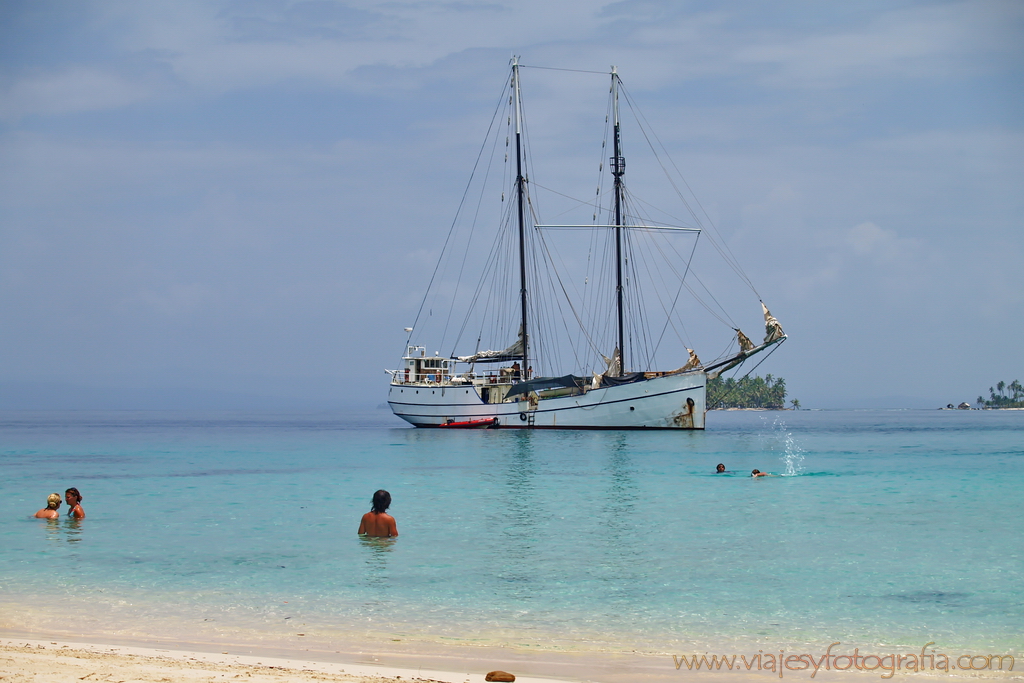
(202, 201)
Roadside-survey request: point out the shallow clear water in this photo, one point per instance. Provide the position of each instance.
(893, 527)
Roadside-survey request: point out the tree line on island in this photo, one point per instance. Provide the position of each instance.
(767, 393)
(1004, 395)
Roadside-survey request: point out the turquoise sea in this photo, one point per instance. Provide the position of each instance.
(888, 528)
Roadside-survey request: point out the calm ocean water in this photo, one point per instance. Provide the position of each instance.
(892, 527)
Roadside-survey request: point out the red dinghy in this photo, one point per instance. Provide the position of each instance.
(484, 423)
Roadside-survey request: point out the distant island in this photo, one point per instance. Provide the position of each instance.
(1004, 395)
(767, 393)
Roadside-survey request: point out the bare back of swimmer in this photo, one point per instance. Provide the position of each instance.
(377, 522)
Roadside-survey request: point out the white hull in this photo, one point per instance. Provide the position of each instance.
(657, 403)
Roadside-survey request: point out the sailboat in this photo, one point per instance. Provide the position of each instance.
(620, 390)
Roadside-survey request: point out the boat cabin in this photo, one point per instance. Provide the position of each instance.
(418, 367)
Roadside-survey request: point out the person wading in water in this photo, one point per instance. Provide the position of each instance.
(377, 522)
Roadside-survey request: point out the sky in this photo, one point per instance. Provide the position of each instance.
(226, 204)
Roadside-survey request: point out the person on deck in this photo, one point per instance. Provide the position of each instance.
(377, 522)
(74, 501)
(52, 505)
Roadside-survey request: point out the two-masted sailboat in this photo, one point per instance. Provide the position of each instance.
(622, 390)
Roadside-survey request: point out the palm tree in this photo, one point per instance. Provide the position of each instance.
(796, 404)
(1000, 386)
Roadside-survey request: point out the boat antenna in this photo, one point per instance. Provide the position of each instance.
(520, 196)
(618, 167)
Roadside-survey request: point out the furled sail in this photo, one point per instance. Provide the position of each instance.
(614, 363)
(772, 328)
(541, 383)
(691, 364)
(745, 343)
(514, 352)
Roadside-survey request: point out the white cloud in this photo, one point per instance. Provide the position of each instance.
(211, 45)
(930, 41)
(867, 239)
(73, 89)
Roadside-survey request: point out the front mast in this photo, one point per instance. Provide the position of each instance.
(618, 168)
(520, 191)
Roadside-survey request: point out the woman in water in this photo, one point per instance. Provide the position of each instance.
(52, 505)
(74, 501)
(377, 522)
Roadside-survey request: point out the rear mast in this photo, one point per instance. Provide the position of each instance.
(618, 169)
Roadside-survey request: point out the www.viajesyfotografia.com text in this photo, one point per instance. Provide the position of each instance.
(887, 664)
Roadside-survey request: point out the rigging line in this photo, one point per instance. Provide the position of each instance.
(669, 319)
(632, 289)
(549, 258)
(469, 241)
(643, 131)
(727, 322)
(527, 150)
(675, 301)
(546, 250)
(729, 258)
(458, 211)
(747, 373)
(598, 207)
(494, 259)
(590, 272)
(651, 246)
(676, 219)
(650, 243)
(727, 255)
(637, 249)
(580, 202)
(727, 352)
(555, 68)
(728, 319)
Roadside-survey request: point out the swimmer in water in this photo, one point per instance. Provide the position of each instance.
(720, 469)
(759, 473)
(74, 501)
(377, 522)
(52, 505)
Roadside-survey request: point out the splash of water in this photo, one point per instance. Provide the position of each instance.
(778, 439)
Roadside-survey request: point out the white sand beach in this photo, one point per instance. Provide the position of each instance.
(26, 660)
